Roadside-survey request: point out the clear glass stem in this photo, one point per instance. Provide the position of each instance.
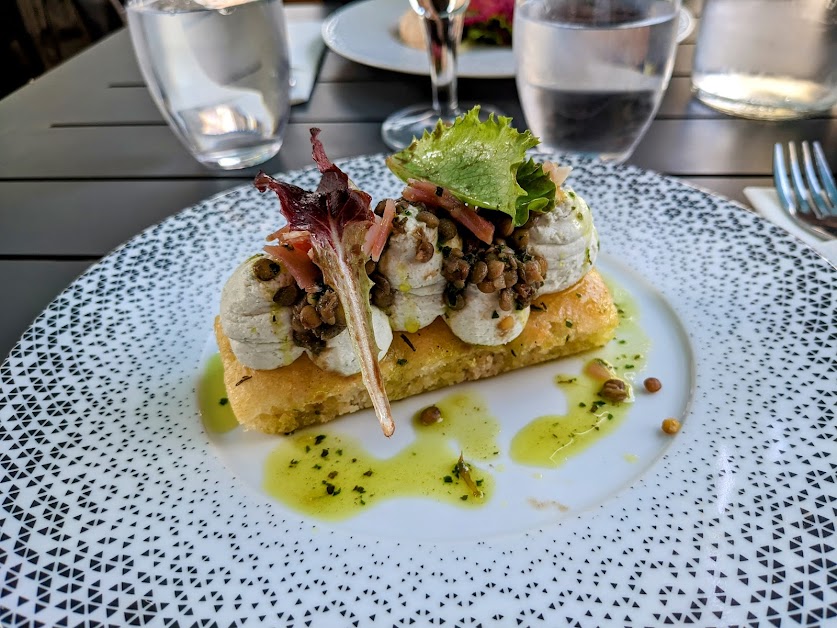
(443, 35)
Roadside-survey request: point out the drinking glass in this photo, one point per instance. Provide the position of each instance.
(767, 59)
(591, 73)
(219, 73)
(443, 21)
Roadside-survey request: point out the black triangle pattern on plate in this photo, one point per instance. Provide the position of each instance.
(116, 512)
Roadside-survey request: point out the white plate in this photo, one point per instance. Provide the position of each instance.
(118, 508)
(367, 32)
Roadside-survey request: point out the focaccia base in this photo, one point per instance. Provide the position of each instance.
(285, 399)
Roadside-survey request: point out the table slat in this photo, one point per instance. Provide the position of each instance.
(719, 147)
(154, 152)
(90, 218)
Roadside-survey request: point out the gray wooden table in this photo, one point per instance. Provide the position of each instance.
(86, 160)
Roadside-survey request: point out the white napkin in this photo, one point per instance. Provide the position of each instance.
(766, 203)
(305, 45)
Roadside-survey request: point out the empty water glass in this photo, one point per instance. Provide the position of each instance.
(591, 73)
(219, 73)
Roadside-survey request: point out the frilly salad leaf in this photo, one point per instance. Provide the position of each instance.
(482, 164)
(337, 217)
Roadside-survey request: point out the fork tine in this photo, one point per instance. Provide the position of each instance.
(814, 188)
(788, 202)
(780, 178)
(825, 176)
(799, 184)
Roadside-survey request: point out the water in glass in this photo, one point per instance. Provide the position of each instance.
(591, 74)
(219, 72)
(767, 59)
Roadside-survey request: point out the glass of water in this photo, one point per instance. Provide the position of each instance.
(591, 73)
(774, 60)
(219, 72)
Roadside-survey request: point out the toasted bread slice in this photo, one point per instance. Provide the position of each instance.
(300, 394)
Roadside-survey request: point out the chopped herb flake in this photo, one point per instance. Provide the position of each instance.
(320, 438)
(407, 342)
(568, 323)
(401, 361)
(447, 479)
(224, 401)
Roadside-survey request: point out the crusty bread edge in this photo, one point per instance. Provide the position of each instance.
(282, 400)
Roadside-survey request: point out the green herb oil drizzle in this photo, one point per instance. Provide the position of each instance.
(333, 477)
(216, 413)
(549, 440)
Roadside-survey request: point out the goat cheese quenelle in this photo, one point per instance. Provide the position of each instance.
(484, 264)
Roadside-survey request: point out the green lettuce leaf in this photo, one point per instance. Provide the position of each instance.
(482, 163)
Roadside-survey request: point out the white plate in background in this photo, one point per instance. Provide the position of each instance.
(367, 32)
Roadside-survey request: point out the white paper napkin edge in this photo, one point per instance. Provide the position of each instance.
(765, 201)
(305, 47)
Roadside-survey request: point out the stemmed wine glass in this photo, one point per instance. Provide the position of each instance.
(443, 20)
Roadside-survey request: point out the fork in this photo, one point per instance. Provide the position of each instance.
(812, 206)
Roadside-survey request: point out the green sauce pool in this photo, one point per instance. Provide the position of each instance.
(216, 413)
(549, 440)
(334, 477)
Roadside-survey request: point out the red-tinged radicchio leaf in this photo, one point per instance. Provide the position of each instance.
(481, 11)
(337, 217)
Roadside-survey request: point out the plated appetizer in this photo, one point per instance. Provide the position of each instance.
(484, 264)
